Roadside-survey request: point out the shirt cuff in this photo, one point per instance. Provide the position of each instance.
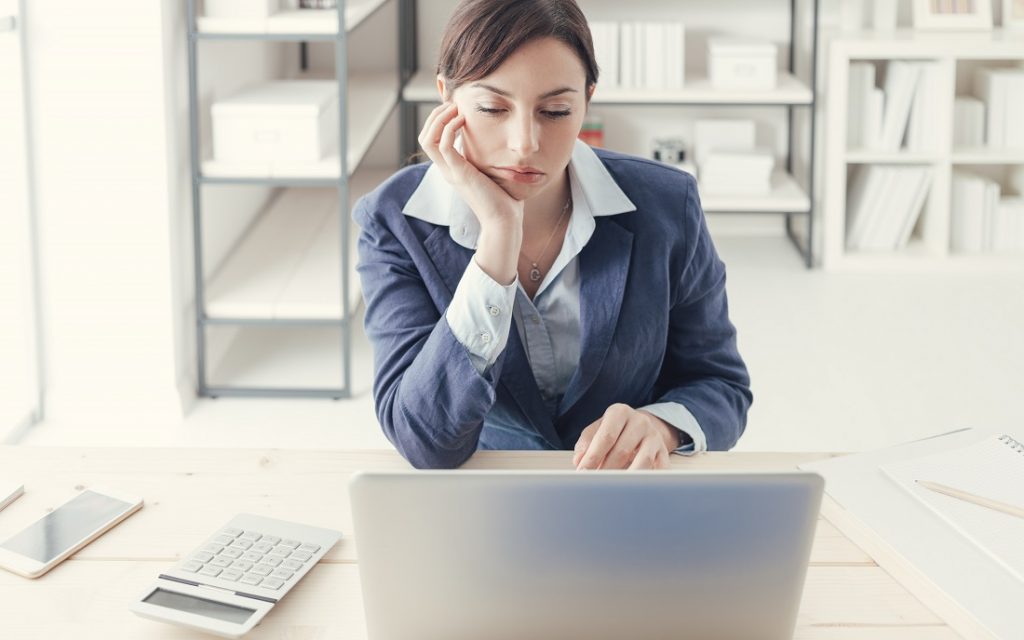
(480, 315)
(680, 417)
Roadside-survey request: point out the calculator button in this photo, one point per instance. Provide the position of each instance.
(262, 569)
(231, 553)
(231, 531)
(283, 574)
(291, 565)
(271, 540)
(191, 566)
(213, 548)
(211, 571)
(272, 560)
(252, 556)
(272, 583)
(291, 544)
(262, 547)
(241, 544)
(221, 562)
(223, 540)
(251, 536)
(202, 556)
(251, 579)
(281, 550)
(311, 548)
(241, 565)
(301, 556)
(231, 575)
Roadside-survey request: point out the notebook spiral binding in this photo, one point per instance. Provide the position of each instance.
(1013, 444)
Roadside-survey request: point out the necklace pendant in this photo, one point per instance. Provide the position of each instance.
(534, 274)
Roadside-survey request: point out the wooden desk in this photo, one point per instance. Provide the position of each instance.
(190, 493)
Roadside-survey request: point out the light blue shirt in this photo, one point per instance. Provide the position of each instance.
(482, 310)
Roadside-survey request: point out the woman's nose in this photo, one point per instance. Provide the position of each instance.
(524, 137)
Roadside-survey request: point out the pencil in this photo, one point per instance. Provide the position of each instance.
(970, 497)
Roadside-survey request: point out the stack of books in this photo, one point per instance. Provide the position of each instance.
(898, 116)
(883, 206)
(981, 219)
(1002, 90)
(640, 55)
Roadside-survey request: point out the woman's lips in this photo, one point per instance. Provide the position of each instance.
(524, 175)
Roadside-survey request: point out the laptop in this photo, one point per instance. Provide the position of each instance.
(542, 555)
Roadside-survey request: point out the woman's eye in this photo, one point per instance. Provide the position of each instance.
(488, 110)
(554, 115)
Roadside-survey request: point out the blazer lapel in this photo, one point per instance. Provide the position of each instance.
(451, 261)
(604, 267)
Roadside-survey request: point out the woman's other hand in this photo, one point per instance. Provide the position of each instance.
(625, 438)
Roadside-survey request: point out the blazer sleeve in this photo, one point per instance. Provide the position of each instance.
(430, 399)
(703, 370)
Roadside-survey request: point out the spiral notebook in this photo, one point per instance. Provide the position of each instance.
(993, 468)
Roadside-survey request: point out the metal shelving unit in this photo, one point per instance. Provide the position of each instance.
(336, 173)
(792, 93)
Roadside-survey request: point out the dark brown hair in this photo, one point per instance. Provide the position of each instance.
(482, 34)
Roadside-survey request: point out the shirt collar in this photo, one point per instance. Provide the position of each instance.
(437, 202)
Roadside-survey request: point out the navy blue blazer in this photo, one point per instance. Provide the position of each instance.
(654, 322)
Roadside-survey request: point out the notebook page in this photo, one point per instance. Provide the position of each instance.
(992, 468)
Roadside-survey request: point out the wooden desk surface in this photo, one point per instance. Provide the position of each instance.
(190, 493)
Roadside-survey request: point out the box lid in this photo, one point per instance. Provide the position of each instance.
(280, 98)
(740, 46)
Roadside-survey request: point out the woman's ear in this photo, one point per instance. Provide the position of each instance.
(441, 88)
(590, 91)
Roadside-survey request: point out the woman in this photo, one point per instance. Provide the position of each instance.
(524, 291)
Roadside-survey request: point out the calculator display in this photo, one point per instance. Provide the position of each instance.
(199, 606)
(66, 526)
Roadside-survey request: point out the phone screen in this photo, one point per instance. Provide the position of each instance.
(66, 526)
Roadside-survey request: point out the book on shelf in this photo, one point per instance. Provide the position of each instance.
(606, 49)
(883, 206)
(900, 115)
(648, 55)
(968, 123)
(982, 219)
(1002, 91)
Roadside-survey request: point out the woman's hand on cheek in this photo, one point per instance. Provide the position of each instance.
(492, 205)
(624, 438)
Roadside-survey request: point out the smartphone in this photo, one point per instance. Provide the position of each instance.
(46, 542)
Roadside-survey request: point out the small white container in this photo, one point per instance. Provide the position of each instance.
(281, 121)
(735, 63)
(240, 8)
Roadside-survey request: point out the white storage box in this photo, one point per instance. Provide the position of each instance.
(735, 63)
(281, 121)
(240, 8)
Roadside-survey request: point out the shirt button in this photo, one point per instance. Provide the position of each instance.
(493, 310)
(485, 337)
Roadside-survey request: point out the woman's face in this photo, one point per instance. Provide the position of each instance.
(523, 119)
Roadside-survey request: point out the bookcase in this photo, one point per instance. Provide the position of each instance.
(274, 317)
(956, 57)
(795, 96)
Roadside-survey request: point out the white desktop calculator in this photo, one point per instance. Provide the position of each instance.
(232, 580)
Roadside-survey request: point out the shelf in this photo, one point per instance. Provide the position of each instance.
(918, 257)
(996, 44)
(297, 22)
(422, 88)
(288, 265)
(278, 359)
(372, 97)
(984, 155)
(786, 197)
(870, 156)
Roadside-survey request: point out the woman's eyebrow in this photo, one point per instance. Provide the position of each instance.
(500, 92)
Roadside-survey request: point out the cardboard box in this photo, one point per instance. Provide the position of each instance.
(280, 121)
(741, 64)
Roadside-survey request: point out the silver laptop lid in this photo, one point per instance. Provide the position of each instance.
(498, 554)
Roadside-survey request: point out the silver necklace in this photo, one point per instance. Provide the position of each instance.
(535, 273)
